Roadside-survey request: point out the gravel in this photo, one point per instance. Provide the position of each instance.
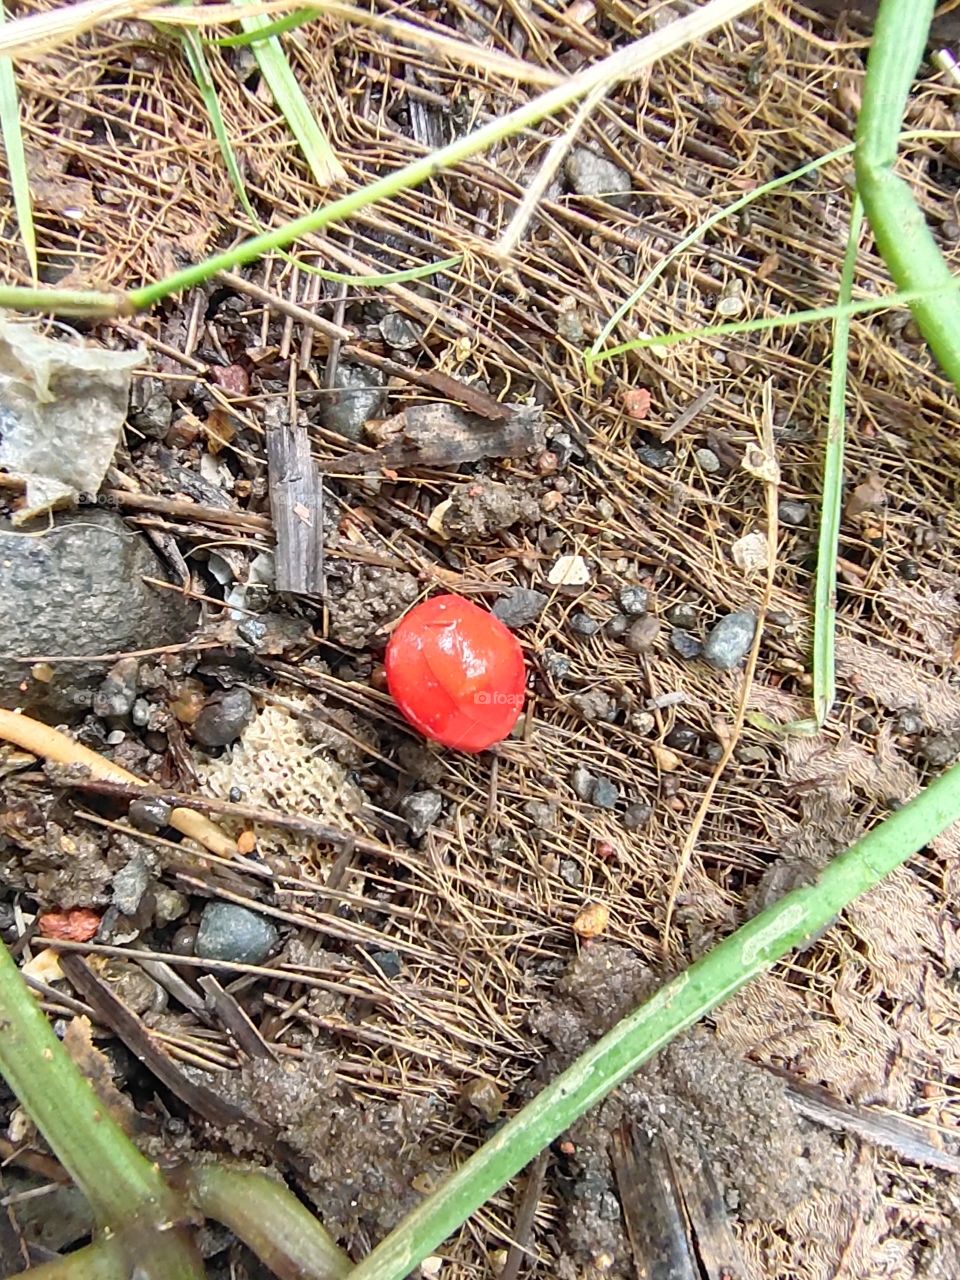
(605, 793)
(224, 717)
(359, 397)
(590, 174)
(633, 600)
(729, 642)
(684, 644)
(684, 616)
(229, 932)
(581, 624)
(643, 634)
(420, 810)
(707, 460)
(793, 513)
(520, 608)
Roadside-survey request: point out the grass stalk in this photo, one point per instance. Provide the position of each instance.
(905, 242)
(16, 157)
(681, 1002)
(120, 1184)
(831, 505)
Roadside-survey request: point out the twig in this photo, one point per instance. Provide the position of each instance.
(771, 487)
(50, 744)
(525, 1217)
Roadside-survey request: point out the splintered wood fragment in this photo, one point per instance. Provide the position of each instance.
(719, 1253)
(235, 1020)
(526, 1213)
(898, 1134)
(652, 1209)
(441, 435)
(296, 507)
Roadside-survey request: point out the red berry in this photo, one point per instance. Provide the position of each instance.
(456, 673)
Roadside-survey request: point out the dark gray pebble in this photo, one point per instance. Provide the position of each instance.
(682, 738)
(223, 717)
(793, 513)
(149, 814)
(633, 600)
(729, 642)
(686, 645)
(555, 665)
(616, 626)
(582, 624)
(117, 694)
(637, 815)
(521, 607)
(656, 456)
(420, 810)
(605, 793)
(229, 932)
(940, 749)
(682, 615)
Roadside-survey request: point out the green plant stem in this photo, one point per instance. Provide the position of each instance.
(258, 1209)
(618, 66)
(101, 1261)
(121, 1185)
(278, 27)
(681, 1002)
(17, 170)
(903, 238)
(831, 506)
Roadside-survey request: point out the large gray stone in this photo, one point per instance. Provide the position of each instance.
(78, 590)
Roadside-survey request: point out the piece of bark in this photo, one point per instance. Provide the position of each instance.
(652, 1207)
(717, 1248)
(296, 507)
(441, 435)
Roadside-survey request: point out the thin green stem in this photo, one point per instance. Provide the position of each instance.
(618, 66)
(258, 1209)
(681, 1002)
(100, 1261)
(17, 170)
(279, 27)
(121, 1185)
(903, 238)
(64, 302)
(825, 595)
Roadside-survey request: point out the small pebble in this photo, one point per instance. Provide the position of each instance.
(605, 793)
(229, 932)
(594, 704)
(117, 694)
(940, 749)
(707, 460)
(388, 962)
(130, 884)
(910, 723)
(581, 779)
(682, 738)
(591, 920)
(616, 626)
(541, 814)
(399, 331)
(729, 642)
(683, 616)
(633, 600)
(420, 810)
(590, 174)
(684, 644)
(149, 814)
(169, 905)
(134, 986)
(793, 513)
(780, 619)
(582, 624)
(184, 941)
(521, 607)
(359, 396)
(223, 718)
(570, 873)
(656, 456)
(908, 570)
(643, 634)
(482, 1097)
(555, 664)
(140, 712)
(637, 815)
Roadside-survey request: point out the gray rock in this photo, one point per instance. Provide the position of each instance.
(633, 600)
(616, 626)
(555, 664)
(581, 624)
(223, 717)
(729, 642)
(117, 694)
(130, 884)
(637, 815)
(683, 616)
(594, 704)
(656, 456)
(521, 607)
(149, 814)
(793, 513)
(591, 174)
(643, 634)
(940, 749)
(154, 416)
(359, 396)
(581, 779)
(79, 589)
(686, 645)
(420, 810)
(910, 723)
(570, 873)
(229, 932)
(399, 332)
(542, 814)
(170, 905)
(707, 460)
(605, 793)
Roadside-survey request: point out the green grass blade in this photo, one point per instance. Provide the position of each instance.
(681, 1002)
(288, 96)
(200, 68)
(831, 506)
(16, 157)
(276, 28)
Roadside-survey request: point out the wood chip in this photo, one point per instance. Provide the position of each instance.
(296, 506)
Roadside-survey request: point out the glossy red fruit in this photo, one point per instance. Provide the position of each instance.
(456, 673)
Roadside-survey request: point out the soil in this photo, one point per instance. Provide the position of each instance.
(414, 974)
